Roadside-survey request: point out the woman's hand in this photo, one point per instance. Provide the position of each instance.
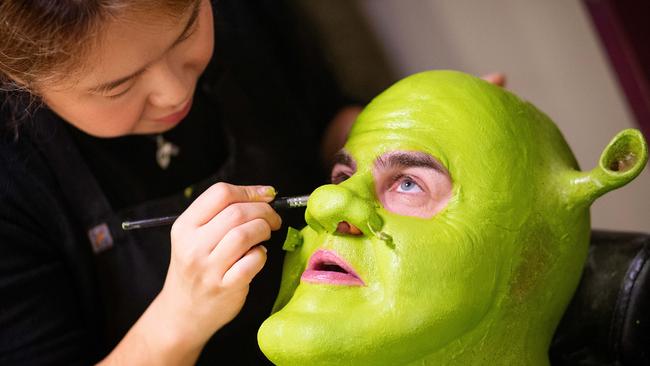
(214, 257)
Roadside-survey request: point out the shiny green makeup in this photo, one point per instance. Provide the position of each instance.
(456, 233)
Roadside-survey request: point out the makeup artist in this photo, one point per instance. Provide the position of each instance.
(127, 109)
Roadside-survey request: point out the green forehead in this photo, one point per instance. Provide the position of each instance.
(459, 119)
(442, 102)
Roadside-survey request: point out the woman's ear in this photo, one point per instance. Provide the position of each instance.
(621, 161)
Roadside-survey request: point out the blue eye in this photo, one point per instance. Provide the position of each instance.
(408, 185)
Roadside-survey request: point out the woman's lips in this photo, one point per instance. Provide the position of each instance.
(326, 267)
(178, 116)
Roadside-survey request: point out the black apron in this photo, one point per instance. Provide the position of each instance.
(130, 266)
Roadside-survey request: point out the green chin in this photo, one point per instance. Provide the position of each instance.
(324, 325)
(317, 327)
(386, 322)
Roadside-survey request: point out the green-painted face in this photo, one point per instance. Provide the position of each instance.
(455, 208)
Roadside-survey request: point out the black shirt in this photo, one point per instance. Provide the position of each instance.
(257, 117)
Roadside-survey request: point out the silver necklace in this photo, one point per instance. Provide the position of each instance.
(165, 151)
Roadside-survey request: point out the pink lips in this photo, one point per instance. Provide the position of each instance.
(328, 268)
(178, 116)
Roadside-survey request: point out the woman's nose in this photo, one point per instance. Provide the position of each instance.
(337, 209)
(169, 89)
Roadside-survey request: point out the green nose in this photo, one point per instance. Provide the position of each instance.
(332, 207)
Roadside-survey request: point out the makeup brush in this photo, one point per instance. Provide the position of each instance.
(278, 204)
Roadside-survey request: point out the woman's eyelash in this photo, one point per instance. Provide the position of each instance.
(115, 96)
(133, 82)
(187, 34)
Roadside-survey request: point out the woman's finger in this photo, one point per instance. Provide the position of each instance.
(232, 216)
(245, 269)
(237, 242)
(218, 197)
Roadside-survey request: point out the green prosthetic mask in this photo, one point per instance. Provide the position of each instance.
(455, 233)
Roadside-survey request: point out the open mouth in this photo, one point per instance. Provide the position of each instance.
(326, 267)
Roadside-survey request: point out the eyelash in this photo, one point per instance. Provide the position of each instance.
(187, 35)
(116, 96)
(339, 177)
(401, 177)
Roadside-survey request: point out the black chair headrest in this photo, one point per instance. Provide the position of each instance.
(608, 320)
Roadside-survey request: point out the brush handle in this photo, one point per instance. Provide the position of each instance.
(143, 224)
(278, 204)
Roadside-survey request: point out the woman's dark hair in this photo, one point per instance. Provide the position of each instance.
(45, 41)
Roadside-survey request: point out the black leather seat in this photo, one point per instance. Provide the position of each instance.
(608, 320)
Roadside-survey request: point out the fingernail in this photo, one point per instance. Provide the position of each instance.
(263, 248)
(267, 191)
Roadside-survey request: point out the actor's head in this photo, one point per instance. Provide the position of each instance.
(454, 231)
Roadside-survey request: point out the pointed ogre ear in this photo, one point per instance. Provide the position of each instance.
(621, 161)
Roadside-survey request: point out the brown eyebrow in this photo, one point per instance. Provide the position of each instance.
(108, 86)
(342, 157)
(409, 160)
(190, 22)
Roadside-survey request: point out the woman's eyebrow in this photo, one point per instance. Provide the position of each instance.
(408, 160)
(108, 86)
(190, 22)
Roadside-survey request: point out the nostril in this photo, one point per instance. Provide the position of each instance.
(345, 227)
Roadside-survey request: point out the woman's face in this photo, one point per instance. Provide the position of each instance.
(141, 77)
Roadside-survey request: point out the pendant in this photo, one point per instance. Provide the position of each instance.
(165, 151)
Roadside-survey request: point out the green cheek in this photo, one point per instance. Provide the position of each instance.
(487, 279)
